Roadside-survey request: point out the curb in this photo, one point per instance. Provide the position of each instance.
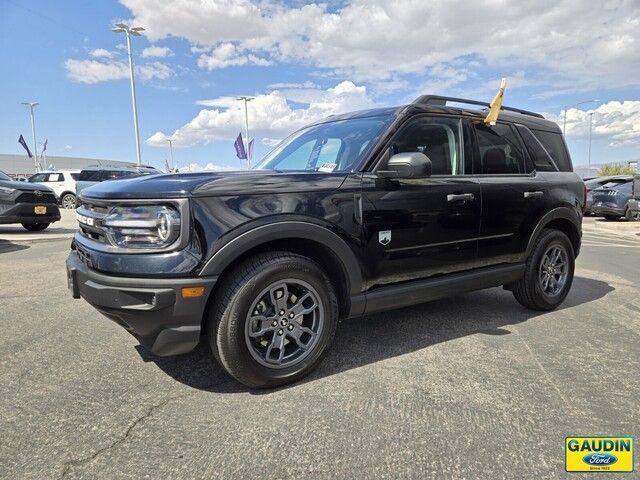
(620, 227)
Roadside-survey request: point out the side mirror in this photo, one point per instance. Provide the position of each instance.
(407, 165)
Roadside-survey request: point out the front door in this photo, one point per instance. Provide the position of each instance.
(414, 228)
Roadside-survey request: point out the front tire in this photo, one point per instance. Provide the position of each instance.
(35, 227)
(272, 320)
(548, 274)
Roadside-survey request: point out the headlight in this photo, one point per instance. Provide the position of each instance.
(142, 226)
(6, 190)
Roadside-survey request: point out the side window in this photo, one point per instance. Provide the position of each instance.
(90, 175)
(556, 148)
(439, 139)
(541, 159)
(500, 149)
(55, 177)
(38, 178)
(75, 176)
(111, 175)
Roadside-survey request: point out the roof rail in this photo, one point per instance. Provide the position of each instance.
(440, 101)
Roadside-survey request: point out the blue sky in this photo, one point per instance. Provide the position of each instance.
(304, 62)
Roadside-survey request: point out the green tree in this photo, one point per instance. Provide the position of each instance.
(615, 169)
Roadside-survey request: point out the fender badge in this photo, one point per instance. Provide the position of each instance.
(384, 237)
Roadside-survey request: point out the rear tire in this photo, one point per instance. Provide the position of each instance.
(35, 227)
(546, 282)
(68, 201)
(251, 337)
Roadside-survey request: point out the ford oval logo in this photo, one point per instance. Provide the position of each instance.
(599, 459)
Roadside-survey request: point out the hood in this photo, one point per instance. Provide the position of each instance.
(215, 184)
(25, 186)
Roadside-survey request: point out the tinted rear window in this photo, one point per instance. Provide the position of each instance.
(554, 144)
(75, 176)
(500, 149)
(541, 159)
(90, 175)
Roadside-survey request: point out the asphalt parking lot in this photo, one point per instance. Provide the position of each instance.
(469, 387)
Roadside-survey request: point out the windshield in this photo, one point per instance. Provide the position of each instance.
(337, 146)
(4, 176)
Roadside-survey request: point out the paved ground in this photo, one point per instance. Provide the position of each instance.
(471, 387)
(56, 231)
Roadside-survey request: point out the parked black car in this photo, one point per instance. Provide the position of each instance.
(598, 182)
(611, 199)
(34, 206)
(359, 213)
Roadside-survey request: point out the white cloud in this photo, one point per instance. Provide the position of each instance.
(94, 71)
(619, 121)
(270, 115)
(156, 52)
(68, 147)
(575, 42)
(229, 55)
(101, 53)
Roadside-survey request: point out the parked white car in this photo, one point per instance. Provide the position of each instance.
(62, 182)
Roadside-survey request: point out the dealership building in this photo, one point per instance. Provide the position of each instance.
(23, 166)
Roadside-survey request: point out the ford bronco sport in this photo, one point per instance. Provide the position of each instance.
(356, 214)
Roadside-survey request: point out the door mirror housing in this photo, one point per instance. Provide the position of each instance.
(407, 165)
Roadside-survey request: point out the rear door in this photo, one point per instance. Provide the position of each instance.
(414, 228)
(514, 196)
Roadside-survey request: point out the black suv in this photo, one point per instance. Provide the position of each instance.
(359, 213)
(34, 206)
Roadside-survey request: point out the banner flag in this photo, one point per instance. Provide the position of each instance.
(250, 149)
(24, 144)
(240, 151)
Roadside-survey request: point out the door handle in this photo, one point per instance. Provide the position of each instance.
(460, 197)
(533, 194)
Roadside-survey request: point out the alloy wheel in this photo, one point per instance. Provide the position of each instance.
(553, 271)
(284, 323)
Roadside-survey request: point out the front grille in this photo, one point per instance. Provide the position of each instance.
(31, 197)
(90, 217)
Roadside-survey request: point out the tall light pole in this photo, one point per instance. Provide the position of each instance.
(564, 125)
(246, 100)
(590, 128)
(170, 140)
(33, 131)
(132, 32)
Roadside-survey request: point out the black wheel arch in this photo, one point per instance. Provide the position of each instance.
(314, 241)
(564, 219)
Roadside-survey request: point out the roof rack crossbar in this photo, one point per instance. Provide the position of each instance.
(441, 101)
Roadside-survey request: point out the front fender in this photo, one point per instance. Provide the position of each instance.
(244, 242)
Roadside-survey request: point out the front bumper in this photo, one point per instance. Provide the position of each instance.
(152, 310)
(25, 213)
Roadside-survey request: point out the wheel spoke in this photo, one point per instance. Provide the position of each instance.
(277, 342)
(299, 309)
(297, 333)
(266, 325)
(279, 295)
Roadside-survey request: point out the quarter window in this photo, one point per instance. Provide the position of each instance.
(500, 149)
(555, 147)
(438, 139)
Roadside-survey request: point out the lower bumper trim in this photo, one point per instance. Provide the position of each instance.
(150, 309)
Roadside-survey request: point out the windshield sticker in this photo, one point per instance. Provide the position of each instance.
(327, 167)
